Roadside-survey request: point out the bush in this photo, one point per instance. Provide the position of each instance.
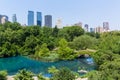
(63, 74)
(40, 77)
(52, 70)
(3, 75)
(24, 75)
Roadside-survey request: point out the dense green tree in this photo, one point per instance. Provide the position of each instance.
(42, 51)
(111, 70)
(8, 50)
(40, 77)
(24, 75)
(70, 32)
(47, 31)
(103, 56)
(3, 75)
(23, 40)
(52, 70)
(63, 74)
(83, 42)
(29, 45)
(108, 71)
(93, 34)
(64, 51)
(110, 41)
(55, 32)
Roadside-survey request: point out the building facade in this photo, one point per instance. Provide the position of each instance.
(30, 18)
(3, 19)
(99, 29)
(92, 29)
(14, 18)
(105, 26)
(48, 20)
(59, 23)
(39, 18)
(78, 24)
(86, 27)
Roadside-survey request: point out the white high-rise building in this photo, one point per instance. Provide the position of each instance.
(4, 19)
(59, 23)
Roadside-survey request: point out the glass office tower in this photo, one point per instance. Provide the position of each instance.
(39, 18)
(14, 18)
(48, 20)
(30, 18)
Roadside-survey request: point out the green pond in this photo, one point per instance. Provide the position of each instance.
(14, 64)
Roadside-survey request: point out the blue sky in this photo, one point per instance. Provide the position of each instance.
(92, 12)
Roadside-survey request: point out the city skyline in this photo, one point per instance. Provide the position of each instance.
(93, 12)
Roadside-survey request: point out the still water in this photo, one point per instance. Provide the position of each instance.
(14, 64)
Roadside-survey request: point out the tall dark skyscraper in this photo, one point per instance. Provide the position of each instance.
(39, 18)
(30, 18)
(14, 18)
(86, 27)
(48, 20)
(106, 26)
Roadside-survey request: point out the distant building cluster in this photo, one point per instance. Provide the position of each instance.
(30, 19)
(3, 19)
(48, 19)
(99, 29)
(48, 22)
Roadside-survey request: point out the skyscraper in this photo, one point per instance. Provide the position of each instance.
(30, 18)
(39, 18)
(48, 20)
(14, 18)
(105, 26)
(59, 23)
(92, 29)
(86, 27)
(3, 19)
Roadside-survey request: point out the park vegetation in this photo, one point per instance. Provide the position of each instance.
(52, 44)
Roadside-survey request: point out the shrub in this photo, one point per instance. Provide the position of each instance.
(24, 75)
(3, 75)
(41, 77)
(63, 74)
